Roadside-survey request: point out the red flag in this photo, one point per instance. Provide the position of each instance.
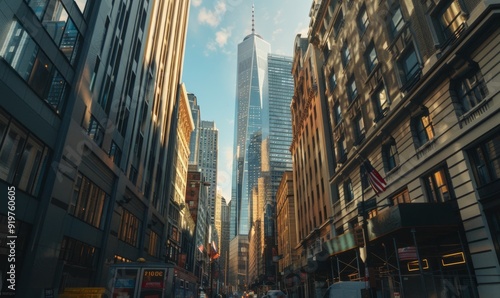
(213, 252)
(376, 181)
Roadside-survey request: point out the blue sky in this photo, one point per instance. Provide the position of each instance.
(215, 29)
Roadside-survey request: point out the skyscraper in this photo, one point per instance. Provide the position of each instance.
(207, 161)
(88, 114)
(251, 88)
(277, 117)
(250, 93)
(277, 138)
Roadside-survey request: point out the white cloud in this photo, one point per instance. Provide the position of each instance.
(222, 36)
(196, 3)
(212, 17)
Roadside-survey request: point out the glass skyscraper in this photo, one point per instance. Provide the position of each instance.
(250, 94)
(277, 118)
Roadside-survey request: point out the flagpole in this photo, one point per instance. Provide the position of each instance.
(364, 226)
(210, 268)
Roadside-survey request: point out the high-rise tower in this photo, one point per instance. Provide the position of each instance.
(89, 114)
(250, 93)
(207, 161)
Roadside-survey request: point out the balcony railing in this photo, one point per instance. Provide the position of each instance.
(451, 38)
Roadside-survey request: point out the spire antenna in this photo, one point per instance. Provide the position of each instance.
(253, 18)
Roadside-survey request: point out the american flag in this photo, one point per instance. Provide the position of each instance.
(376, 181)
(213, 252)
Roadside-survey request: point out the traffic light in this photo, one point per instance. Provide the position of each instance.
(359, 238)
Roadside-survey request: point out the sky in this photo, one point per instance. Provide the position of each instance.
(215, 29)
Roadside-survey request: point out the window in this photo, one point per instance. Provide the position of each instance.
(154, 245)
(115, 153)
(339, 23)
(75, 252)
(341, 150)
(449, 22)
(38, 7)
(352, 90)
(23, 157)
(370, 58)
(409, 68)
(95, 131)
(390, 155)
(362, 20)
(485, 160)
(396, 23)
(359, 129)
(338, 113)
(89, 202)
(333, 80)
(346, 55)
(380, 102)
(94, 73)
(401, 197)
(348, 191)
(436, 185)
(493, 217)
(422, 127)
(129, 228)
(59, 26)
(133, 175)
(34, 67)
(470, 90)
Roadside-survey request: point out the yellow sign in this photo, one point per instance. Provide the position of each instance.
(83, 293)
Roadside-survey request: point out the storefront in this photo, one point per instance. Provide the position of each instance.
(414, 250)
